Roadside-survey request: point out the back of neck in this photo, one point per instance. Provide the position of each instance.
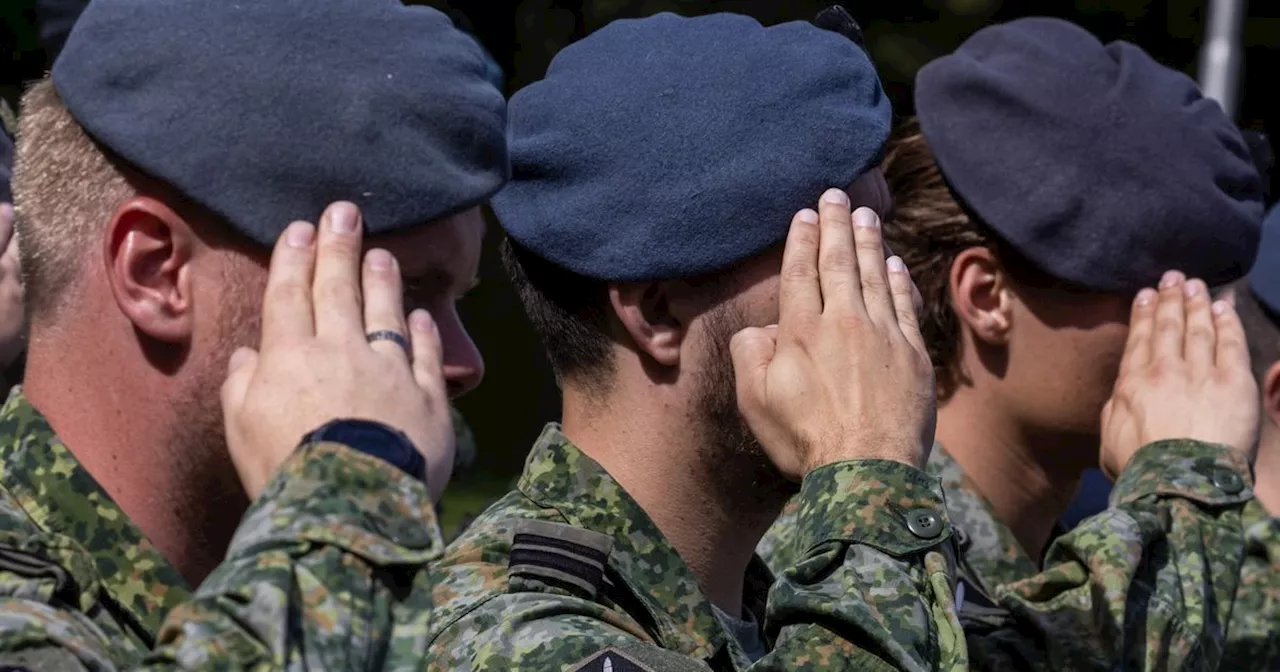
(709, 515)
(1029, 478)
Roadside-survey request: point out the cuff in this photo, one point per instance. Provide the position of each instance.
(329, 494)
(890, 506)
(1209, 473)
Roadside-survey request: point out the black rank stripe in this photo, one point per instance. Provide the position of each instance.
(537, 541)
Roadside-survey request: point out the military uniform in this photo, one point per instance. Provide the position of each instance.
(1151, 582)
(567, 571)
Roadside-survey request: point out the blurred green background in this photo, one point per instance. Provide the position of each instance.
(518, 394)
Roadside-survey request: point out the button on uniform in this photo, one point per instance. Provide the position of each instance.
(1227, 480)
(924, 523)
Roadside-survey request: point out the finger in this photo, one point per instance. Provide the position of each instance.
(1232, 349)
(240, 370)
(1137, 351)
(872, 271)
(1198, 347)
(751, 350)
(6, 224)
(1171, 318)
(904, 295)
(287, 316)
(336, 291)
(837, 256)
(798, 291)
(384, 302)
(428, 354)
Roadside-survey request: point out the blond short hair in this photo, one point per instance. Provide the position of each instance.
(65, 188)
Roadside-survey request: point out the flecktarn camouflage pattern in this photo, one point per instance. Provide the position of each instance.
(1148, 584)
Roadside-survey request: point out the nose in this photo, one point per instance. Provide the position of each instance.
(463, 363)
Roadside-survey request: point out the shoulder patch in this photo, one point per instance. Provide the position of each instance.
(611, 660)
(562, 555)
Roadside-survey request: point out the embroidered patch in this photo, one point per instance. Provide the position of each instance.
(611, 660)
(564, 555)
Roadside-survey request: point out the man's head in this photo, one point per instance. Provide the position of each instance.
(1257, 300)
(645, 226)
(175, 140)
(1047, 178)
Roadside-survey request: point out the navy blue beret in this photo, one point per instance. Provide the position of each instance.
(1264, 279)
(264, 112)
(669, 147)
(6, 167)
(1101, 166)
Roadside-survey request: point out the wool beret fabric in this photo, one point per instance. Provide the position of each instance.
(671, 147)
(266, 111)
(1264, 279)
(6, 168)
(1101, 166)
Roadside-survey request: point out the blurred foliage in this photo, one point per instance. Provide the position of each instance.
(519, 394)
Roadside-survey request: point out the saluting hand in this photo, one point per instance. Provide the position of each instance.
(316, 364)
(845, 374)
(1185, 375)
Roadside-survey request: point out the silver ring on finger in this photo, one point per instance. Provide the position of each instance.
(393, 336)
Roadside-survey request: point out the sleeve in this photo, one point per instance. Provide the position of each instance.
(873, 585)
(315, 573)
(1147, 584)
(1253, 637)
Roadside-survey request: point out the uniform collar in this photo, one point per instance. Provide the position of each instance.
(560, 476)
(90, 536)
(989, 551)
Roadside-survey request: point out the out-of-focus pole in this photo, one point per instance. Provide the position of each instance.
(1222, 56)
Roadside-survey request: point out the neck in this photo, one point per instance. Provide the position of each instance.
(1267, 468)
(709, 513)
(117, 416)
(1021, 473)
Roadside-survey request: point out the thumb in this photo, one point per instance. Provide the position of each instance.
(752, 350)
(240, 368)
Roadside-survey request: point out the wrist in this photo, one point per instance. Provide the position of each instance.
(374, 439)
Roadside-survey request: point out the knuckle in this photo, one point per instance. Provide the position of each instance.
(799, 270)
(837, 259)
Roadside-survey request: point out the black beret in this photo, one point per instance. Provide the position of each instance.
(1101, 166)
(6, 167)
(669, 147)
(264, 112)
(1264, 279)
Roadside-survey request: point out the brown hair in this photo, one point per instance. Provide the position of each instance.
(929, 228)
(65, 187)
(1261, 329)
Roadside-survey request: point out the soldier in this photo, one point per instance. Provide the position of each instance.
(1048, 179)
(656, 168)
(155, 167)
(1254, 645)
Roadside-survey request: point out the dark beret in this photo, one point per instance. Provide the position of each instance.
(265, 112)
(669, 147)
(1101, 166)
(1264, 279)
(6, 168)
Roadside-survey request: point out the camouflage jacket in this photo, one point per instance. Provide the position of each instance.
(314, 578)
(1147, 584)
(568, 572)
(1253, 636)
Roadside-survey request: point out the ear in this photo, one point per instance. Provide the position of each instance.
(1270, 384)
(980, 295)
(147, 250)
(648, 313)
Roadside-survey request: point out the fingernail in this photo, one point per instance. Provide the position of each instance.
(1170, 279)
(895, 265)
(342, 218)
(807, 216)
(300, 234)
(379, 259)
(238, 359)
(420, 320)
(6, 210)
(1191, 289)
(1146, 296)
(836, 197)
(865, 218)
(1220, 307)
